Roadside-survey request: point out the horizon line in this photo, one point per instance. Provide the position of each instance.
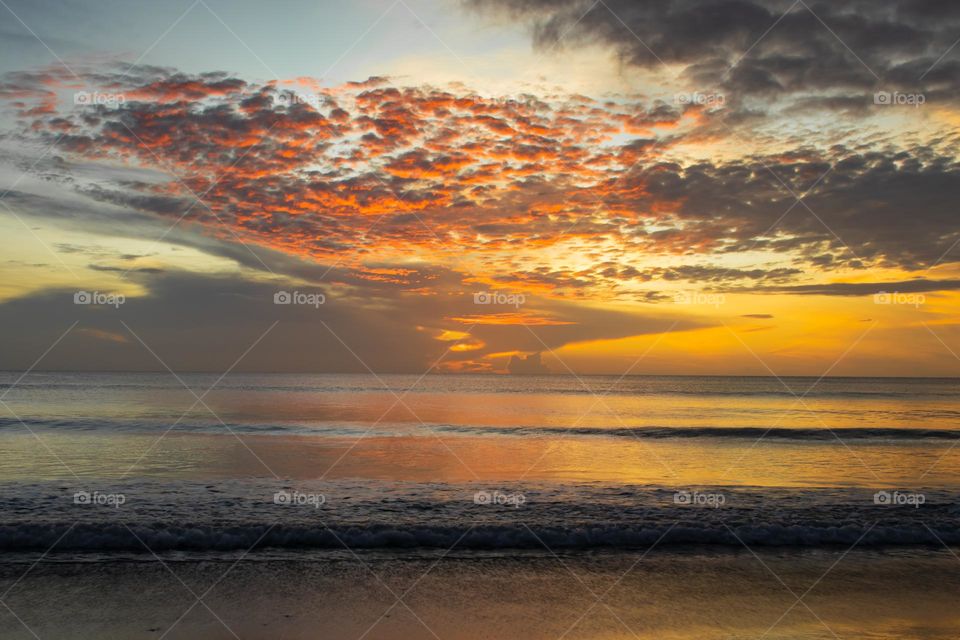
(505, 374)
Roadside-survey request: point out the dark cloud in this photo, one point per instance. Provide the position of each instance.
(116, 269)
(889, 209)
(714, 273)
(920, 285)
(370, 323)
(527, 365)
(764, 48)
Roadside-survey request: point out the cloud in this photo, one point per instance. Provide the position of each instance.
(367, 323)
(919, 285)
(527, 365)
(324, 183)
(762, 48)
(713, 273)
(886, 209)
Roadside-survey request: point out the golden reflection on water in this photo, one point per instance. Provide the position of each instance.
(586, 410)
(433, 458)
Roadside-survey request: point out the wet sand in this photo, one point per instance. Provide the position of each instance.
(697, 593)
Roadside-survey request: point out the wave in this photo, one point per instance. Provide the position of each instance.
(236, 515)
(161, 537)
(652, 432)
(788, 433)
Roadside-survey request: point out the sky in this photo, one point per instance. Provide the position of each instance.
(729, 187)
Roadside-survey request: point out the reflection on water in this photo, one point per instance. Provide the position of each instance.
(467, 428)
(435, 458)
(601, 401)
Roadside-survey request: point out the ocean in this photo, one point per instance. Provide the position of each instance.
(401, 506)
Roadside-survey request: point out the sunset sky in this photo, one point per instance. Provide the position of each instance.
(663, 187)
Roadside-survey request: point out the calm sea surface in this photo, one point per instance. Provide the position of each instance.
(486, 462)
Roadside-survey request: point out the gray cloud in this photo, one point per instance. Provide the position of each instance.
(885, 208)
(378, 326)
(758, 47)
(920, 285)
